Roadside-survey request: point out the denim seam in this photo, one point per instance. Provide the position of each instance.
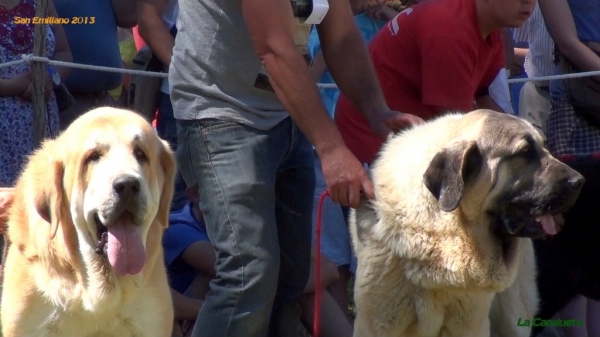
(292, 143)
(189, 158)
(229, 223)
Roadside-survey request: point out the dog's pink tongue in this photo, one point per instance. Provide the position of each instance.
(126, 251)
(548, 224)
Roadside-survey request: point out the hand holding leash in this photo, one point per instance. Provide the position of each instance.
(345, 176)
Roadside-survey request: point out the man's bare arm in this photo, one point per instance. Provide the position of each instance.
(153, 29)
(561, 27)
(347, 59)
(125, 12)
(271, 26)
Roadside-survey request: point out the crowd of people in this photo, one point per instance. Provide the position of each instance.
(257, 143)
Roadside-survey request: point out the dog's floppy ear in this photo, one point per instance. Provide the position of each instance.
(449, 170)
(168, 165)
(49, 190)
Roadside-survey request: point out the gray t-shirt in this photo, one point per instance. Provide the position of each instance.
(215, 66)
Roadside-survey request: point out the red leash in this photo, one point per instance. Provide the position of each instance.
(318, 283)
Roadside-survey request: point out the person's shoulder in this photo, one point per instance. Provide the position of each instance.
(446, 17)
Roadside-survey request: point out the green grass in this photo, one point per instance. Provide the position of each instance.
(351, 305)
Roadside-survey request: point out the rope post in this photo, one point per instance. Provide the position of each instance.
(39, 74)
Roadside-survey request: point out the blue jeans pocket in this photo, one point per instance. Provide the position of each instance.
(214, 125)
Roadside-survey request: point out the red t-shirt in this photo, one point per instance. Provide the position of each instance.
(430, 56)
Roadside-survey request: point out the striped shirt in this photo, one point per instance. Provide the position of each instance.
(538, 61)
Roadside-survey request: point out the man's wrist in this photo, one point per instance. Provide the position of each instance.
(374, 112)
(330, 143)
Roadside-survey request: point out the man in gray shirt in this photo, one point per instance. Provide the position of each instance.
(246, 143)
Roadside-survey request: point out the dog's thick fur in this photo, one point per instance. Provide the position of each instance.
(108, 172)
(457, 200)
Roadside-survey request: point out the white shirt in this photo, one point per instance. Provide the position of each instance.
(538, 61)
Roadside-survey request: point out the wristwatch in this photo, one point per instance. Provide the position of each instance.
(54, 74)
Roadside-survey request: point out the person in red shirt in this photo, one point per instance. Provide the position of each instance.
(435, 57)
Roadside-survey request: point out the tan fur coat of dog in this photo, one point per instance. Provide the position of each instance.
(457, 199)
(85, 255)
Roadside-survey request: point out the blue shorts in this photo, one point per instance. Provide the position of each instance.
(184, 229)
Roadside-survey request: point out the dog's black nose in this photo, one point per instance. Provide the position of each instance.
(126, 186)
(576, 182)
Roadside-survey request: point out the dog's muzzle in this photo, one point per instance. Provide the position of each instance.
(536, 219)
(122, 242)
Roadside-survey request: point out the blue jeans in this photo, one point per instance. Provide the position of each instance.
(256, 193)
(166, 128)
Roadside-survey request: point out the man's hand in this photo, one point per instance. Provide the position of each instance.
(346, 178)
(385, 122)
(381, 12)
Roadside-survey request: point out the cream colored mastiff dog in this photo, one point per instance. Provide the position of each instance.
(445, 248)
(85, 229)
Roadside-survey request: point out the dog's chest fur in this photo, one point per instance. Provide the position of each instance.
(64, 307)
(450, 312)
(127, 319)
(412, 311)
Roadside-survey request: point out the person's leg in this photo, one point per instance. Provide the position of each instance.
(534, 106)
(333, 318)
(334, 322)
(329, 273)
(593, 317)
(575, 309)
(166, 128)
(197, 291)
(339, 288)
(335, 237)
(294, 190)
(235, 168)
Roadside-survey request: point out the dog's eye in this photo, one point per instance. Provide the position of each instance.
(92, 157)
(527, 151)
(140, 155)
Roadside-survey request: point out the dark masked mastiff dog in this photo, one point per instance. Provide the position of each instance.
(445, 248)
